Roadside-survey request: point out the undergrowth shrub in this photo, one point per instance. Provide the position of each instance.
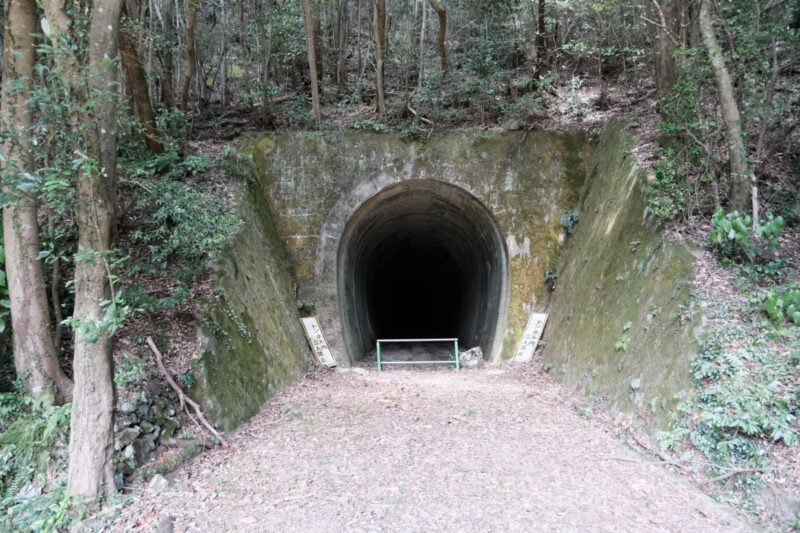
(736, 238)
(743, 395)
(33, 443)
(182, 228)
(782, 303)
(182, 224)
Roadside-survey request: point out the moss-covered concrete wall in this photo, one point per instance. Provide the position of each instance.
(622, 281)
(253, 343)
(315, 181)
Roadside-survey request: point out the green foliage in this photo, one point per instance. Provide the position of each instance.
(550, 279)
(34, 432)
(743, 395)
(735, 237)
(187, 378)
(129, 369)
(237, 166)
(182, 224)
(783, 303)
(622, 344)
(568, 221)
(748, 393)
(666, 191)
(369, 125)
(37, 512)
(172, 123)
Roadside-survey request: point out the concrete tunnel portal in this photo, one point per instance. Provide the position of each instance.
(423, 258)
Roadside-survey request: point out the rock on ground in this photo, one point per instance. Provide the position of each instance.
(472, 358)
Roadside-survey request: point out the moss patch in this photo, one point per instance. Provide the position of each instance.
(623, 317)
(254, 346)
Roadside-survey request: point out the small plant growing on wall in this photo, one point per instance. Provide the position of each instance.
(568, 221)
(622, 344)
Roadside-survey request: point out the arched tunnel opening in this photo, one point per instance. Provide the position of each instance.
(422, 259)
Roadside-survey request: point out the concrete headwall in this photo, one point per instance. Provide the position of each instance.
(314, 182)
(622, 320)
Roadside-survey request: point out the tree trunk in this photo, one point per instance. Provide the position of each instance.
(379, 36)
(666, 70)
(91, 443)
(421, 69)
(191, 60)
(35, 357)
(137, 83)
(442, 12)
(308, 18)
(167, 85)
(540, 47)
(340, 38)
(743, 185)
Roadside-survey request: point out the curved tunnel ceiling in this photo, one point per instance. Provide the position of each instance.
(422, 259)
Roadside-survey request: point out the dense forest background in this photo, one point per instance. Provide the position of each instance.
(106, 195)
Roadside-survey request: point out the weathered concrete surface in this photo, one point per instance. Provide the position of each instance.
(315, 181)
(622, 281)
(253, 343)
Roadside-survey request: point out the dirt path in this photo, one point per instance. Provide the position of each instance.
(479, 450)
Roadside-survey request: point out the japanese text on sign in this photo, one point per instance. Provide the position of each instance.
(530, 339)
(317, 341)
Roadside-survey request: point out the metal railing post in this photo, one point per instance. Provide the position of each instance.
(458, 366)
(379, 355)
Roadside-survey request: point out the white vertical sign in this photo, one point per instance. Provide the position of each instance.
(530, 339)
(317, 341)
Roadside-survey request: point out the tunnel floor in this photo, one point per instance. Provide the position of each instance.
(410, 353)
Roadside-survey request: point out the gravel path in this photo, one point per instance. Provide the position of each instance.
(479, 450)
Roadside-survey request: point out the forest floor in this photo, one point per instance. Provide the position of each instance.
(503, 448)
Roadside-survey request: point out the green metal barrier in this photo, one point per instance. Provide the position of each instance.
(449, 362)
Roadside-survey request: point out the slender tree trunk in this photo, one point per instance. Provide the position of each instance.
(421, 69)
(137, 83)
(35, 357)
(358, 34)
(191, 59)
(743, 184)
(91, 442)
(340, 38)
(442, 12)
(379, 36)
(308, 18)
(168, 74)
(540, 46)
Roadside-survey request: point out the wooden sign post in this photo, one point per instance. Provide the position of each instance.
(530, 339)
(317, 341)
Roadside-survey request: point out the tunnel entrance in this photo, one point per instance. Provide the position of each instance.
(422, 259)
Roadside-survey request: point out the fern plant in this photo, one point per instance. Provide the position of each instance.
(29, 442)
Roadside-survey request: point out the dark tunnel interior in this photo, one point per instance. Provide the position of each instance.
(422, 259)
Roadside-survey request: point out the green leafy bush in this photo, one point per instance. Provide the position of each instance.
(736, 237)
(743, 395)
(183, 224)
(33, 430)
(666, 191)
(783, 303)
